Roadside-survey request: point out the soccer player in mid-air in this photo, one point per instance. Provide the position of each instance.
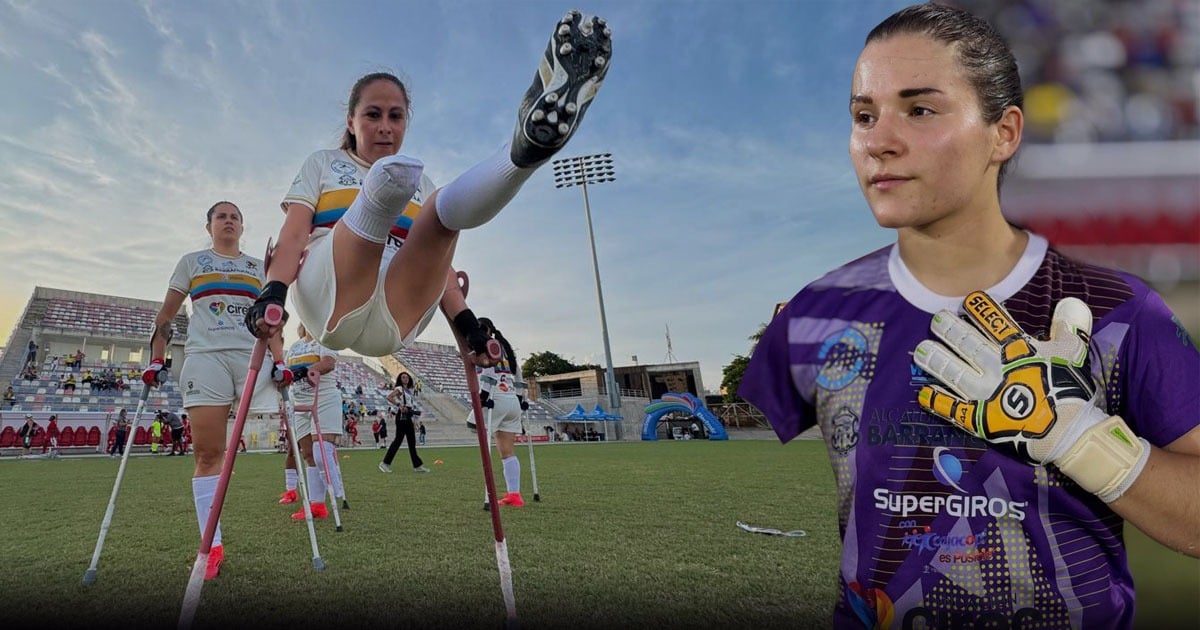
(379, 239)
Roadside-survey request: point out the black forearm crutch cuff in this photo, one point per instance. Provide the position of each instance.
(466, 323)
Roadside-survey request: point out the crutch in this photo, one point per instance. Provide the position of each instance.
(301, 480)
(491, 383)
(89, 576)
(523, 390)
(502, 564)
(318, 438)
(191, 596)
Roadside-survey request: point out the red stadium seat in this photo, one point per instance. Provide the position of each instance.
(8, 437)
(141, 436)
(93, 436)
(38, 439)
(66, 437)
(112, 438)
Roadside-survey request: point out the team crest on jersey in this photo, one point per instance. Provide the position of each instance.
(217, 308)
(342, 167)
(204, 259)
(845, 431)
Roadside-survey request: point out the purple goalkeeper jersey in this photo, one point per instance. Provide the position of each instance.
(940, 529)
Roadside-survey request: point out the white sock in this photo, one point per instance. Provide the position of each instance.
(316, 485)
(203, 491)
(512, 473)
(335, 470)
(385, 193)
(289, 475)
(479, 194)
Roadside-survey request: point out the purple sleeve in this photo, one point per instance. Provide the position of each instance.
(767, 383)
(1162, 390)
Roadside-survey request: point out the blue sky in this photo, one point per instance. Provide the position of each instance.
(122, 122)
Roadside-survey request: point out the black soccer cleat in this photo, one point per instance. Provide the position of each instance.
(568, 77)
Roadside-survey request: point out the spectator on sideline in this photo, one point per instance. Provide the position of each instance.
(52, 434)
(156, 428)
(118, 445)
(26, 433)
(176, 425)
(403, 396)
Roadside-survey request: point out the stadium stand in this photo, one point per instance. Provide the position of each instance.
(437, 366)
(112, 333)
(351, 373)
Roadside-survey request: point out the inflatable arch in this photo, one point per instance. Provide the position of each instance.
(686, 403)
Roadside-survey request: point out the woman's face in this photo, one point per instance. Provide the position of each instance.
(405, 380)
(920, 147)
(225, 226)
(379, 121)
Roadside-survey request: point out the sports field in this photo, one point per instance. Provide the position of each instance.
(626, 535)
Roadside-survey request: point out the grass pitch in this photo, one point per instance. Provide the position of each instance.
(626, 535)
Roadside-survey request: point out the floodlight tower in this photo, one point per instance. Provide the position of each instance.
(581, 171)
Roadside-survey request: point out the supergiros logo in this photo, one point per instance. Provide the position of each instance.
(955, 505)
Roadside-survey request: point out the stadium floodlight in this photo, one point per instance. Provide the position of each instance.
(581, 171)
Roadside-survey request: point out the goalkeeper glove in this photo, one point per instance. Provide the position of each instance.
(1034, 396)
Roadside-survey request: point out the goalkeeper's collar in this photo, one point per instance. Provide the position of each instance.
(916, 294)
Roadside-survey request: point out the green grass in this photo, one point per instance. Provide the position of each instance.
(626, 535)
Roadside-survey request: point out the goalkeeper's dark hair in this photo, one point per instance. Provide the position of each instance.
(510, 356)
(983, 53)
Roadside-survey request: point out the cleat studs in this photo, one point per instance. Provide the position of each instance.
(600, 21)
(563, 128)
(552, 118)
(608, 32)
(599, 62)
(571, 108)
(537, 116)
(564, 30)
(552, 98)
(565, 49)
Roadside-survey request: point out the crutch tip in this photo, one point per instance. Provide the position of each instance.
(89, 577)
(339, 528)
(537, 498)
(318, 564)
(512, 623)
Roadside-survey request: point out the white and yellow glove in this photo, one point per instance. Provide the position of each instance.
(1036, 397)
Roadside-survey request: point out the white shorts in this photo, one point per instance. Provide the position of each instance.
(505, 416)
(217, 378)
(369, 329)
(329, 410)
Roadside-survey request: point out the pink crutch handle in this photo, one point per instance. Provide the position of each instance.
(274, 315)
